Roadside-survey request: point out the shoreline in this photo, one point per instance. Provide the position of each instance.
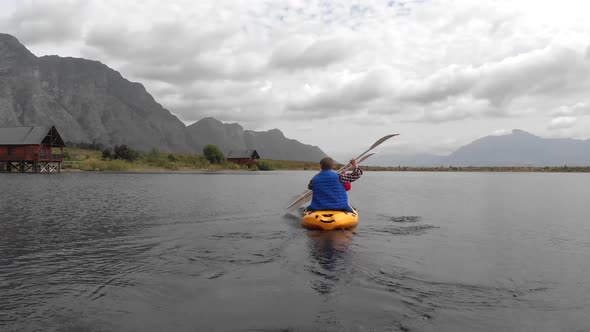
(365, 168)
(80, 160)
(495, 169)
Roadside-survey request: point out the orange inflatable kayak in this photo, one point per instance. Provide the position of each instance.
(329, 220)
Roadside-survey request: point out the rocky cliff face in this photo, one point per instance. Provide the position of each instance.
(89, 102)
(109, 108)
(86, 100)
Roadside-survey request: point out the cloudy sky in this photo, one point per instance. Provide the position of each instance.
(339, 74)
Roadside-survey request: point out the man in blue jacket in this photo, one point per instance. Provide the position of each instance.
(328, 187)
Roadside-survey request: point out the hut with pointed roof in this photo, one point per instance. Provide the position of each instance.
(243, 157)
(33, 149)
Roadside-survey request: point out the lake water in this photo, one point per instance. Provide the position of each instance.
(215, 252)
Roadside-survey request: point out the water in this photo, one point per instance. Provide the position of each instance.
(215, 252)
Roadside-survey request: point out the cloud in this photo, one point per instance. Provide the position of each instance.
(248, 102)
(345, 93)
(427, 65)
(577, 109)
(562, 122)
(300, 53)
(454, 109)
(44, 22)
(500, 132)
(551, 70)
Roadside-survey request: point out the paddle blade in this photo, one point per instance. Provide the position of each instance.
(381, 140)
(365, 157)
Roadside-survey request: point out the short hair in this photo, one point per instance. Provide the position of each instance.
(327, 163)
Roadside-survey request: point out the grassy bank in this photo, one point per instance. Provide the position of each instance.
(91, 160)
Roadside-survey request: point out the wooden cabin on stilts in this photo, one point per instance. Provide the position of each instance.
(243, 157)
(33, 149)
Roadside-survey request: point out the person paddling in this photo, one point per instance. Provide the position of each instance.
(328, 187)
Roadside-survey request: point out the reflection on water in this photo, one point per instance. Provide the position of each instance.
(329, 249)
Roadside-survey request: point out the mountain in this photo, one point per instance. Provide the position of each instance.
(518, 148)
(90, 102)
(86, 100)
(521, 148)
(270, 144)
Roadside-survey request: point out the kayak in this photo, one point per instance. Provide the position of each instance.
(329, 220)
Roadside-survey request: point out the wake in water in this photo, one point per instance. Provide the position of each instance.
(406, 219)
(399, 227)
(397, 230)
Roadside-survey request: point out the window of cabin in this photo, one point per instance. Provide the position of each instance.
(42, 151)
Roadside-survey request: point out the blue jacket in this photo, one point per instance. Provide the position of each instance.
(328, 192)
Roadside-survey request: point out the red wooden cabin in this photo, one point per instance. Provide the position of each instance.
(243, 157)
(31, 149)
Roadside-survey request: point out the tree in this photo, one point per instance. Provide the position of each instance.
(125, 153)
(213, 154)
(107, 154)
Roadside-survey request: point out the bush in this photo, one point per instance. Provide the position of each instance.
(264, 165)
(213, 154)
(153, 155)
(86, 146)
(124, 152)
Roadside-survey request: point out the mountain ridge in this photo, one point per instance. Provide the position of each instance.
(92, 103)
(519, 148)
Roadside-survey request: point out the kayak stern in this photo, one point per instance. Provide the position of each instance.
(329, 220)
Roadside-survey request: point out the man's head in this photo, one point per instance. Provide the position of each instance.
(327, 163)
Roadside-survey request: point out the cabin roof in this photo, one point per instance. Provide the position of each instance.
(242, 154)
(30, 135)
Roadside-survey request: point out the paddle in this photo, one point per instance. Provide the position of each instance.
(304, 196)
(376, 144)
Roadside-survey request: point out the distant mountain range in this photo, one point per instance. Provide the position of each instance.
(90, 102)
(519, 148)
